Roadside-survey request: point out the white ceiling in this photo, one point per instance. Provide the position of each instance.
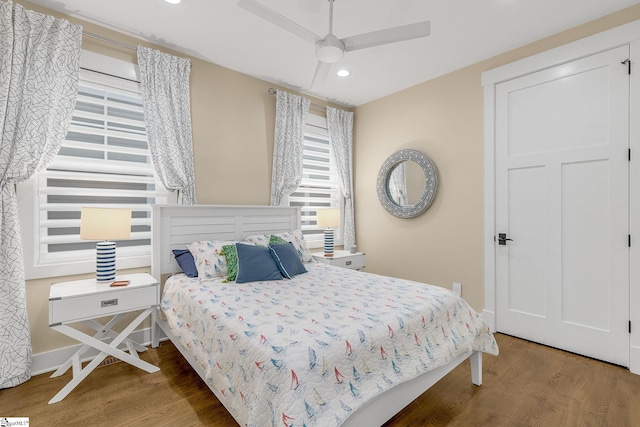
(463, 32)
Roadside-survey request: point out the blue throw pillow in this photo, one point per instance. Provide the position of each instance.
(186, 262)
(287, 259)
(255, 264)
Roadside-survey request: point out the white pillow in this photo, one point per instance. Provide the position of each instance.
(295, 237)
(209, 258)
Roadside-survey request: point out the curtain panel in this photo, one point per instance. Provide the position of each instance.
(340, 127)
(164, 80)
(39, 65)
(291, 116)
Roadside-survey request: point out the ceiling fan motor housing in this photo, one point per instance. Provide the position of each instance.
(329, 50)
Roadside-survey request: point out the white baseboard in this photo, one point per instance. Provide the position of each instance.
(49, 361)
(634, 360)
(490, 319)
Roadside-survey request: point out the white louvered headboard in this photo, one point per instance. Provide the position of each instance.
(175, 226)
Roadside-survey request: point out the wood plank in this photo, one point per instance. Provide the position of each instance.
(527, 384)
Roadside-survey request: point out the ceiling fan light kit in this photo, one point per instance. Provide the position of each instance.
(331, 49)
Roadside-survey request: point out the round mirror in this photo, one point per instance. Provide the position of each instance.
(407, 183)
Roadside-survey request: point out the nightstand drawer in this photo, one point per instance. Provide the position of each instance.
(355, 262)
(94, 305)
(344, 259)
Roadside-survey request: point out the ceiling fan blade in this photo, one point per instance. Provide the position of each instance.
(320, 76)
(275, 18)
(390, 35)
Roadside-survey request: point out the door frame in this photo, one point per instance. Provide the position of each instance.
(628, 34)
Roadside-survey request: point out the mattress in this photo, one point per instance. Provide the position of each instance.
(313, 349)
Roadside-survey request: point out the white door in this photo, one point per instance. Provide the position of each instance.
(562, 197)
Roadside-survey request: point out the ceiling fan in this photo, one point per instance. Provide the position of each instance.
(331, 49)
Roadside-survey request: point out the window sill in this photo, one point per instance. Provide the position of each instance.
(82, 267)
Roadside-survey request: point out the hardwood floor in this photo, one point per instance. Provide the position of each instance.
(527, 385)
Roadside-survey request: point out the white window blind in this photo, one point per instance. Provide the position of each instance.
(104, 162)
(319, 187)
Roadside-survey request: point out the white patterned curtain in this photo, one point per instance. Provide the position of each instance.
(39, 65)
(164, 80)
(340, 127)
(291, 116)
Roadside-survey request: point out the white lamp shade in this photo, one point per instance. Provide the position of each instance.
(105, 224)
(328, 218)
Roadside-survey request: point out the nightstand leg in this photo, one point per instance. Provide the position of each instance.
(132, 349)
(78, 379)
(103, 330)
(106, 349)
(107, 330)
(111, 348)
(77, 366)
(137, 346)
(155, 329)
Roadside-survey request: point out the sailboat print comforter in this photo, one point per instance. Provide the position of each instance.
(310, 350)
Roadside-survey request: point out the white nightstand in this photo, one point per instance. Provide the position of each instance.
(81, 301)
(343, 259)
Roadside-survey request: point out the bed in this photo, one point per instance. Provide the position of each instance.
(331, 346)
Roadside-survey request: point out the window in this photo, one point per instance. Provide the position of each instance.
(319, 187)
(104, 161)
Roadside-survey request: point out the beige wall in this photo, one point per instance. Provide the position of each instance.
(233, 122)
(443, 118)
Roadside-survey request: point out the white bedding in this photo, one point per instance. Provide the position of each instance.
(311, 350)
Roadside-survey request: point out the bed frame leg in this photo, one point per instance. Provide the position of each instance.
(155, 342)
(476, 367)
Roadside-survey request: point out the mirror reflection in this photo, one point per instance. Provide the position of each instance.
(406, 183)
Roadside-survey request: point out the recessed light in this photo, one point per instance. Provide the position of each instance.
(173, 1)
(343, 73)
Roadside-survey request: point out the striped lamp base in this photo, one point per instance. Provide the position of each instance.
(328, 242)
(105, 261)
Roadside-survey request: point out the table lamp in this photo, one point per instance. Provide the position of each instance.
(106, 224)
(328, 219)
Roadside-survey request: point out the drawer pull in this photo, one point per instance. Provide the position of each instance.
(109, 303)
(348, 262)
